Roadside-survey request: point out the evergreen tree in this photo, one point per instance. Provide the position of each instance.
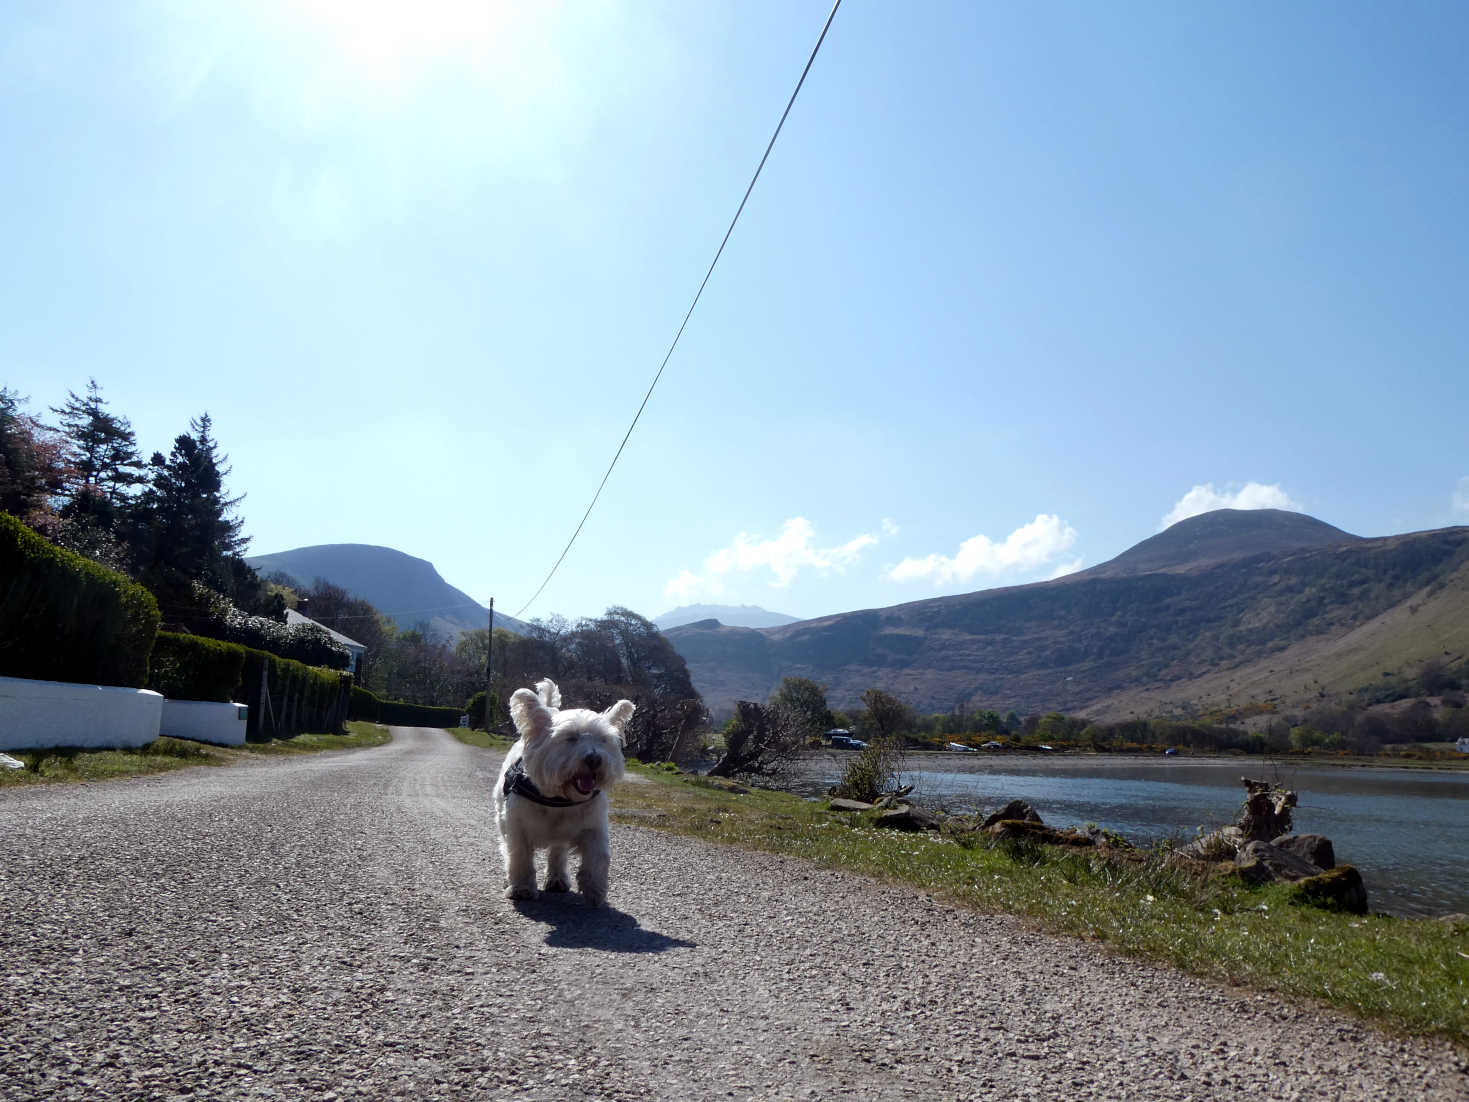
(102, 452)
(187, 531)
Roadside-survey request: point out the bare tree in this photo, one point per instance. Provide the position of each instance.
(758, 741)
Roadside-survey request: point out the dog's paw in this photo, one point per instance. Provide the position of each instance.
(520, 891)
(557, 884)
(593, 890)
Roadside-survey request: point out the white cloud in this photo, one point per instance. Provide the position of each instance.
(1070, 566)
(687, 587)
(1461, 498)
(784, 556)
(1029, 547)
(1205, 499)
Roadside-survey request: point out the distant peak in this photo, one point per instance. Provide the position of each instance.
(739, 616)
(1220, 535)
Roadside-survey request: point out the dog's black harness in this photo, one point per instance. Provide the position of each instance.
(516, 781)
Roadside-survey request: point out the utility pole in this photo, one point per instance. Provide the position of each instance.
(490, 664)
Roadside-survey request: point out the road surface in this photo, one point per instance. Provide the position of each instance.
(332, 926)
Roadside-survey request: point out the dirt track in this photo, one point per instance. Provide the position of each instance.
(296, 927)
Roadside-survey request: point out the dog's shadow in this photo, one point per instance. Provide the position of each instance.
(574, 925)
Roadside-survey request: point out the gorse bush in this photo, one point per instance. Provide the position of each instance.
(64, 618)
(186, 667)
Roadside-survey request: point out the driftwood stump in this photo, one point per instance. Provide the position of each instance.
(1266, 813)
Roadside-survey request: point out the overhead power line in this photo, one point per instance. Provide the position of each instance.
(690, 313)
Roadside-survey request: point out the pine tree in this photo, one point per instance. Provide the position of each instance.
(188, 529)
(102, 451)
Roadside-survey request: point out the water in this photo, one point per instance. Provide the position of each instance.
(1406, 830)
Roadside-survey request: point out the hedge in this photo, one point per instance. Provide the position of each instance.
(65, 618)
(399, 713)
(475, 709)
(287, 697)
(189, 667)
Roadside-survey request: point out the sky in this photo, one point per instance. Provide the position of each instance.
(1020, 283)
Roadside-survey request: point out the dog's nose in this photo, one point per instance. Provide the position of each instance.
(592, 759)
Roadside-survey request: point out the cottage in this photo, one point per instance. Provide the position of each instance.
(354, 648)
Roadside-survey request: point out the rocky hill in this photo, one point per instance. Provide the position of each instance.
(407, 590)
(1222, 608)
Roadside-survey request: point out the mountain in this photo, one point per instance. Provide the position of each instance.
(737, 616)
(1218, 610)
(1224, 534)
(408, 591)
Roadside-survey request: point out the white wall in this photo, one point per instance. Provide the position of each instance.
(39, 715)
(205, 721)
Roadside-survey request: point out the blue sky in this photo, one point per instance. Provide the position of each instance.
(1018, 283)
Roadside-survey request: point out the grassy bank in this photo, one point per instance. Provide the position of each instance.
(1408, 974)
(71, 765)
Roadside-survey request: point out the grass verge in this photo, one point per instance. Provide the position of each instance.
(72, 765)
(360, 734)
(1410, 975)
(483, 739)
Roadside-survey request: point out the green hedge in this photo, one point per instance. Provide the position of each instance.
(475, 709)
(64, 618)
(287, 697)
(398, 713)
(190, 667)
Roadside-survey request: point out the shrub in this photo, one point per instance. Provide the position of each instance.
(475, 707)
(306, 643)
(398, 713)
(873, 771)
(186, 667)
(66, 618)
(364, 705)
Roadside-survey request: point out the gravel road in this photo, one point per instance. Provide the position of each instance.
(332, 926)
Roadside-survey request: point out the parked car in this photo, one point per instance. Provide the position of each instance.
(847, 742)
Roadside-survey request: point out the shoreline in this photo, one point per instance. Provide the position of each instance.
(1130, 758)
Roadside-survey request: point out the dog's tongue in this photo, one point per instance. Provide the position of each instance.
(585, 783)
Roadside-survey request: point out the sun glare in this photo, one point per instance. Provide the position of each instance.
(382, 52)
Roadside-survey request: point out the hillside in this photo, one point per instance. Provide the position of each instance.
(1199, 618)
(738, 616)
(407, 590)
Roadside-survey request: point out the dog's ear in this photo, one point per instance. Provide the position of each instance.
(618, 715)
(548, 692)
(532, 718)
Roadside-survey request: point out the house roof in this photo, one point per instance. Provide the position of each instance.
(293, 617)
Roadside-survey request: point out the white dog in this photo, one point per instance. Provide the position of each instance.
(552, 791)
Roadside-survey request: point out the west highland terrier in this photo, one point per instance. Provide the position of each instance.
(552, 792)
